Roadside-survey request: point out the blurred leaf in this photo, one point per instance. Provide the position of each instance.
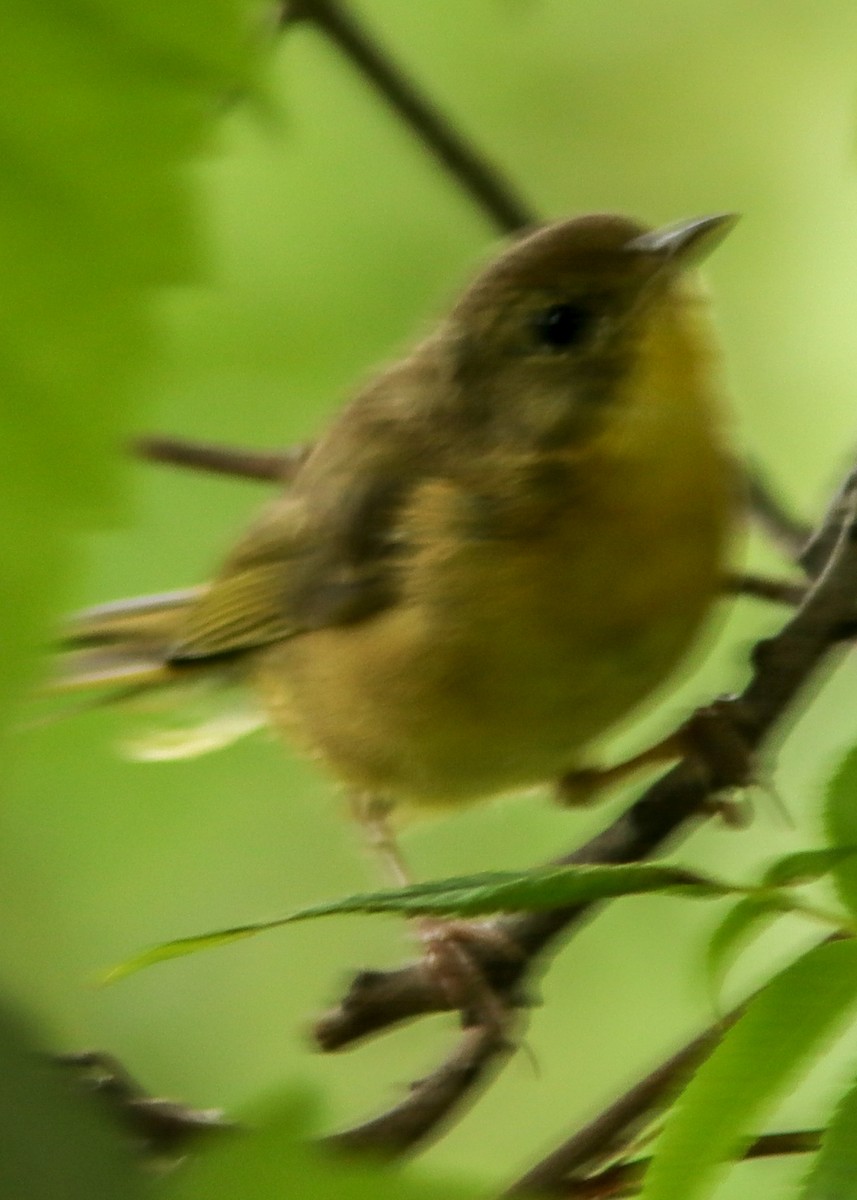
(840, 817)
(783, 1028)
(807, 865)
(54, 1141)
(466, 896)
(744, 920)
(834, 1173)
(102, 106)
(276, 1160)
(752, 913)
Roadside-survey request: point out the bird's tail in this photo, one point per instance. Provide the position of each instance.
(119, 654)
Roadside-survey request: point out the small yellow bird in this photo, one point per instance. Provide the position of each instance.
(501, 545)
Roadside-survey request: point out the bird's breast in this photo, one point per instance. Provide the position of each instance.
(505, 656)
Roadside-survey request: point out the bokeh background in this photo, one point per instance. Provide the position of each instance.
(329, 239)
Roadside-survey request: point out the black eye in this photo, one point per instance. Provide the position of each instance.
(563, 326)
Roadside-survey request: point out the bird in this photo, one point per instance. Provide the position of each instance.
(504, 543)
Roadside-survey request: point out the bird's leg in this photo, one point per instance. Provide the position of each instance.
(373, 812)
(451, 948)
(711, 737)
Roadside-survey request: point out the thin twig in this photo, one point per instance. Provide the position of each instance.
(785, 530)
(430, 1101)
(270, 466)
(764, 587)
(159, 1128)
(622, 1120)
(625, 1179)
(481, 179)
(816, 551)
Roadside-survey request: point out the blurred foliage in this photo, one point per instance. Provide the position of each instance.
(53, 1143)
(240, 298)
(783, 1027)
(102, 108)
(275, 1160)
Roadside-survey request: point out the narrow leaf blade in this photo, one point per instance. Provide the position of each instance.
(840, 817)
(834, 1173)
(741, 924)
(807, 865)
(784, 1026)
(467, 896)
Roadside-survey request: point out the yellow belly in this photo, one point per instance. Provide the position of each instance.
(503, 663)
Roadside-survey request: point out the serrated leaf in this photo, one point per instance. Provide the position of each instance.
(783, 1028)
(834, 1173)
(466, 896)
(840, 818)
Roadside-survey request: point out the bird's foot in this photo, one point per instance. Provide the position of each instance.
(713, 739)
(455, 952)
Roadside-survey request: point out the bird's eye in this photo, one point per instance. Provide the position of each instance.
(564, 326)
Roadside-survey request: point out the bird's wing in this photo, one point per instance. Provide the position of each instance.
(298, 568)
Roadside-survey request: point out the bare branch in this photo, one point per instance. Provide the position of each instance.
(784, 529)
(158, 1128)
(269, 466)
(430, 1101)
(763, 587)
(617, 1125)
(819, 545)
(625, 1179)
(474, 174)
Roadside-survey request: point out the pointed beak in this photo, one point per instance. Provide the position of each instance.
(686, 243)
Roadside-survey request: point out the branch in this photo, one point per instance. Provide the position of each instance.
(482, 181)
(625, 1179)
(763, 587)
(430, 1101)
(158, 1128)
(782, 666)
(271, 466)
(819, 545)
(617, 1125)
(784, 530)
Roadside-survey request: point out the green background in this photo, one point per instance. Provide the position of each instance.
(329, 238)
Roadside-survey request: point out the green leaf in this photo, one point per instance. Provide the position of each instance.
(783, 1028)
(834, 1173)
(807, 865)
(467, 896)
(103, 106)
(752, 913)
(840, 817)
(743, 921)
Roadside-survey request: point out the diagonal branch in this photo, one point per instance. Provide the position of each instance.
(784, 530)
(267, 466)
(625, 1179)
(782, 666)
(473, 173)
(430, 1102)
(621, 1121)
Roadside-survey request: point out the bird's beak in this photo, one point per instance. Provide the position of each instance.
(687, 242)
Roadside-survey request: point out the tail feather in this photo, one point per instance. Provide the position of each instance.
(118, 653)
(107, 667)
(138, 619)
(122, 645)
